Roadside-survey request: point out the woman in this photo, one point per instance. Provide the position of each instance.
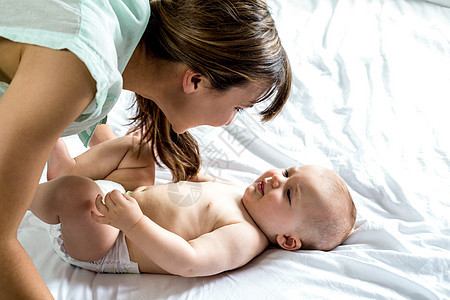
(64, 63)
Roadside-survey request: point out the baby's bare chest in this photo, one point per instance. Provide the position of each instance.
(192, 209)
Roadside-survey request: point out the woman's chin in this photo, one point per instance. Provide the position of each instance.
(179, 130)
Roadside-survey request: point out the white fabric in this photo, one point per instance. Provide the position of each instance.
(371, 101)
(117, 260)
(108, 186)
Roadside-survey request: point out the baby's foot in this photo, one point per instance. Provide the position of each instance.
(59, 162)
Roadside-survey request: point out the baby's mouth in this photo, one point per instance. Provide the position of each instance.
(261, 187)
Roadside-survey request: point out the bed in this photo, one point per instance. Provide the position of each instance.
(370, 100)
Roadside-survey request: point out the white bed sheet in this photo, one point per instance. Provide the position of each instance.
(370, 100)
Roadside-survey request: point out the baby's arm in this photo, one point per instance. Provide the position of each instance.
(203, 176)
(225, 248)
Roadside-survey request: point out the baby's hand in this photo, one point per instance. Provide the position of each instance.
(118, 210)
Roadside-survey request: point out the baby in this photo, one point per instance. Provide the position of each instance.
(186, 228)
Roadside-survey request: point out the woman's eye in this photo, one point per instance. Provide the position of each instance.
(238, 109)
(286, 173)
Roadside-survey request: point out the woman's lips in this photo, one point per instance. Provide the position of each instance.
(261, 187)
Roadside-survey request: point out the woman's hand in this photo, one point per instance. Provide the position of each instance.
(119, 210)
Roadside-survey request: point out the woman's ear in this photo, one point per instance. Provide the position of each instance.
(289, 242)
(191, 81)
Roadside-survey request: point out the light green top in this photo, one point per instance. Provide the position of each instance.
(102, 33)
(3, 87)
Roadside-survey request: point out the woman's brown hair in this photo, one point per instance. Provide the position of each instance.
(232, 43)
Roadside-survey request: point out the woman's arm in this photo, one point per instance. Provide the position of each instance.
(49, 90)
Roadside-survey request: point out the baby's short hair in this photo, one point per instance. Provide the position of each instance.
(332, 223)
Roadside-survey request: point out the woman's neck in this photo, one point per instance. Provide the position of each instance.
(132, 75)
(151, 77)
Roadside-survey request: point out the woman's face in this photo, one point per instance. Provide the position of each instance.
(209, 106)
(187, 98)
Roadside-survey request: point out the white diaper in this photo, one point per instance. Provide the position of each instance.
(108, 186)
(116, 261)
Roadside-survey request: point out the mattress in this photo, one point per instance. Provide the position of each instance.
(370, 100)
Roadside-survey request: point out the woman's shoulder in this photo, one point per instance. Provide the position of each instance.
(102, 34)
(105, 28)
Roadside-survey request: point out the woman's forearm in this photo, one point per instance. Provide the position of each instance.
(22, 159)
(19, 278)
(50, 89)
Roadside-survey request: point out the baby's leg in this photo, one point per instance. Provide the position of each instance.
(96, 163)
(119, 160)
(59, 162)
(69, 200)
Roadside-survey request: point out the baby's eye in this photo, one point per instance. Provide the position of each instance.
(288, 194)
(286, 173)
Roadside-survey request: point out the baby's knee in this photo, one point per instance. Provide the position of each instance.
(75, 183)
(76, 192)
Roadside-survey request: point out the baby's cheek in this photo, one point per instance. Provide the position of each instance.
(248, 193)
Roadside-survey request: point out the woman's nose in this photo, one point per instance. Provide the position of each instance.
(232, 118)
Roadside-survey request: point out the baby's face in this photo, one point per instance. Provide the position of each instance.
(280, 199)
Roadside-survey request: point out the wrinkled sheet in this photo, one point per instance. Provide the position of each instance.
(370, 100)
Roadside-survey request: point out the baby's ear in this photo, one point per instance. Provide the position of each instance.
(289, 242)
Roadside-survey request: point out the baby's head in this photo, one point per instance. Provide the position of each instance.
(307, 207)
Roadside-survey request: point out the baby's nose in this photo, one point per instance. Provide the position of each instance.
(276, 181)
